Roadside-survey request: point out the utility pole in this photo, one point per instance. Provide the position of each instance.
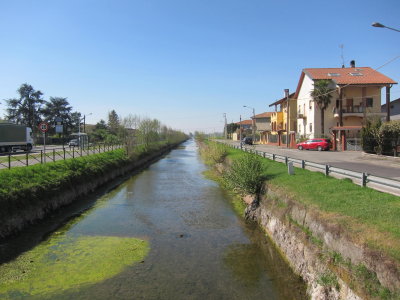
(287, 117)
(240, 131)
(254, 126)
(225, 128)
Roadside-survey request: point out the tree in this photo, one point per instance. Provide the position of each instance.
(75, 121)
(58, 107)
(27, 108)
(322, 95)
(113, 122)
(101, 125)
(231, 128)
(148, 131)
(391, 136)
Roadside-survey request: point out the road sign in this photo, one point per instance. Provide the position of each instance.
(43, 127)
(59, 128)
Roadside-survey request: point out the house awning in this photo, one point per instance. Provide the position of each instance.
(346, 128)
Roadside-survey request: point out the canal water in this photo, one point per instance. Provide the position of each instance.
(198, 247)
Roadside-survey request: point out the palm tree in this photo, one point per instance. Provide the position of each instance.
(322, 95)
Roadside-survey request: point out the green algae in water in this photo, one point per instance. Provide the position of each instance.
(63, 263)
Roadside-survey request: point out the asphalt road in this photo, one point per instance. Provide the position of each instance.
(358, 161)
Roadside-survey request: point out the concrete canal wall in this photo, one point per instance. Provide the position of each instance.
(332, 263)
(24, 216)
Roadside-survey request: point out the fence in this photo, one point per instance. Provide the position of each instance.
(10, 160)
(364, 179)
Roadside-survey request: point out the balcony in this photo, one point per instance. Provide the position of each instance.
(354, 111)
(301, 115)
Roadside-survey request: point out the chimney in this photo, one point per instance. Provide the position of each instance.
(352, 64)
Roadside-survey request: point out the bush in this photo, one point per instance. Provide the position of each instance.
(213, 153)
(246, 174)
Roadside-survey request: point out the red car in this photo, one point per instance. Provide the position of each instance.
(319, 144)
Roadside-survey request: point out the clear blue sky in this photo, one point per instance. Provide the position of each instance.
(186, 62)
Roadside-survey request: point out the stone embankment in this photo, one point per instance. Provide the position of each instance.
(332, 263)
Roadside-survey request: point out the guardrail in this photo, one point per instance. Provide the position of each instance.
(362, 178)
(11, 159)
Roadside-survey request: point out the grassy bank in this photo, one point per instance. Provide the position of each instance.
(368, 217)
(28, 193)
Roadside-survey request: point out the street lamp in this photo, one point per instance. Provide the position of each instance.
(376, 24)
(254, 122)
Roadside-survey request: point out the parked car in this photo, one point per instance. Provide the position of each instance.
(318, 144)
(247, 141)
(73, 143)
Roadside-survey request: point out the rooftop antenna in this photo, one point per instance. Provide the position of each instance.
(341, 46)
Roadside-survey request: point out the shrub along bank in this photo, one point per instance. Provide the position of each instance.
(30, 193)
(362, 217)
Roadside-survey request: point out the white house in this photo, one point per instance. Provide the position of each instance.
(357, 95)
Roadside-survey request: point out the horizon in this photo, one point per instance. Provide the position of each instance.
(186, 64)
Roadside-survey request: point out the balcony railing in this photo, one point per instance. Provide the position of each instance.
(349, 110)
(301, 114)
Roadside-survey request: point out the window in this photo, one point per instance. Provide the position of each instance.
(310, 127)
(333, 74)
(299, 128)
(369, 102)
(310, 104)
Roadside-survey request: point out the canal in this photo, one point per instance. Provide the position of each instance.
(165, 233)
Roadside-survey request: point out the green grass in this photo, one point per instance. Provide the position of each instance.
(69, 262)
(26, 190)
(370, 216)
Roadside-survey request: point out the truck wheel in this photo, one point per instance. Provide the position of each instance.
(28, 148)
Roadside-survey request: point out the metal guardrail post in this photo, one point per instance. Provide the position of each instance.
(64, 152)
(364, 179)
(54, 155)
(41, 156)
(27, 159)
(326, 170)
(303, 164)
(264, 154)
(273, 156)
(286, 160)
(9, 160)
(73, 152)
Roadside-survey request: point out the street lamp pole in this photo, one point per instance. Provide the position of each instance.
(376, 24)
(254, 122)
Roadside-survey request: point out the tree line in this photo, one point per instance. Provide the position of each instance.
(30, 108)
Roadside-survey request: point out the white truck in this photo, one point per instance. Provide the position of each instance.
(15, 137)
